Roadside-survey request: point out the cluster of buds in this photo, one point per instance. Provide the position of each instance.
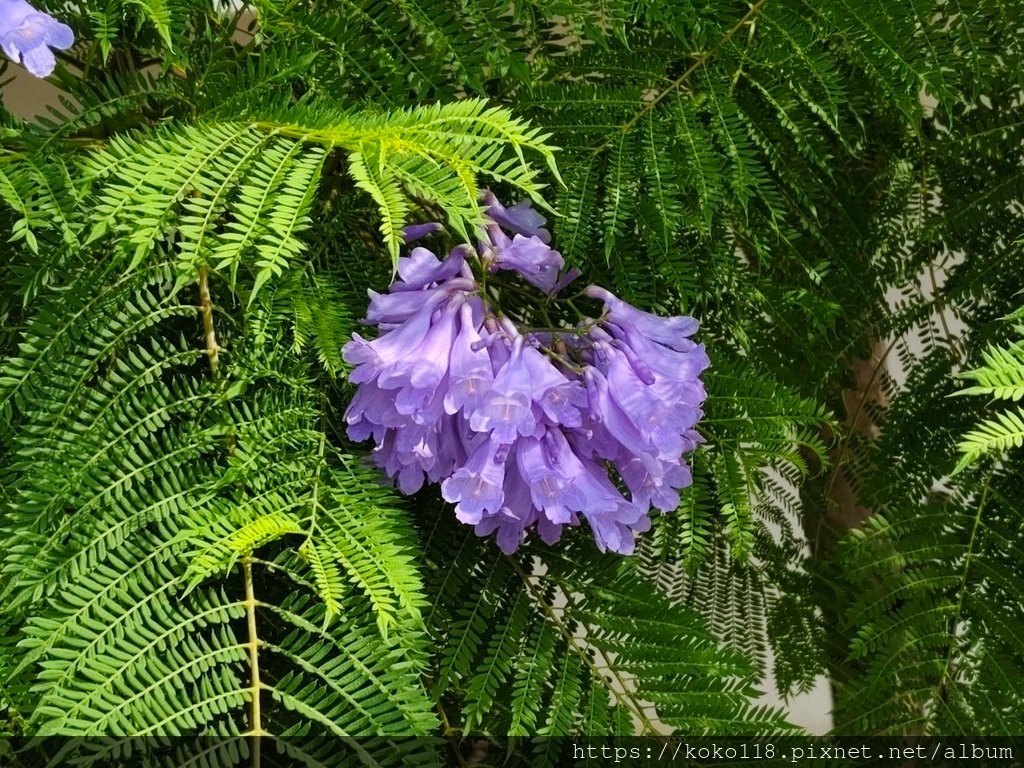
(525, 427)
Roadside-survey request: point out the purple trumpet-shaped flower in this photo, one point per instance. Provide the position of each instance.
(27, 36)
(506, 412)
(614, 520)
(525, 248)
(520, 219)
(530, 257)
(582, 485)
(509, 523)
(392, 309)
(635, 398)
(404, 466)
(470, 373)
(521, 427)
(676, 371)
(670, 331)
(559, 398)
(611, 428)
(421, 268)
(517, 514)
(415, 232)
(372, 413)
(661, 492)
(424, 366)
(476, 488)
(381, 355)
(551, 475)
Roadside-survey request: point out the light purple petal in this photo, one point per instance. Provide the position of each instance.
(670, 331)
(415, 232)
(476, 488)
(27, 35)
(40, 60)
(538, 264)
(520, 219)
(566, 279)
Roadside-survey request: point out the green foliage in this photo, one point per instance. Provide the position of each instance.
(941, 586)
(158, 480)
(558, 640)
(1002, 378)
(192, 546)
(932, 625)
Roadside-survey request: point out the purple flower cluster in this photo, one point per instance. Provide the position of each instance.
(27, 35)
(525, 428)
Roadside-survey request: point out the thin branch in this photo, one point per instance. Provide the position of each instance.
(253, 643)
(573, 643)
(206, 310)
(697, 65)
(451, 734)
(945, 679)
(841, 446)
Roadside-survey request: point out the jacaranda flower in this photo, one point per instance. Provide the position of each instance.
(521, 426)
(521, 219)
(529, 256)
(419, 231)
(27, 35)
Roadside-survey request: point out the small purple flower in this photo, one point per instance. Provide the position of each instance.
(550, 474)
(400, 465)
(670, 331)
(637, 399)
(506, 410)
(393, 309)
(560, 398)
(470, 374)
(520, 219)
(415, 232)
(684, 361)
(379, 356)
(661, 492)
(539, 264)
(527, 252)
(476, 488)
(372, 412)
(27, 35)
(421, 268)
(423, 365)
(517, 515)
(612, 428)
(612, 518)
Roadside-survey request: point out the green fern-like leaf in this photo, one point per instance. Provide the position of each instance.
(1002, 377)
